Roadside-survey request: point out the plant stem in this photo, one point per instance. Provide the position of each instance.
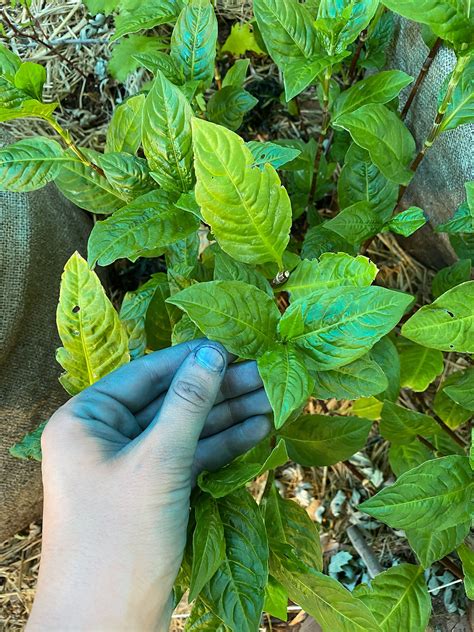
(322, 135)
(421, 75)
(427, 443)
(356, 56)
(449, 431)
(436, 128)
(66, 137)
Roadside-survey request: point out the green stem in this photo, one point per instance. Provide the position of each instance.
(64, 134)
(322, 135)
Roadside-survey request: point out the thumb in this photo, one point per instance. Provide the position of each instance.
(190, 398)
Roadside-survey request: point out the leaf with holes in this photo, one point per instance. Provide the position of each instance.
(276, 155)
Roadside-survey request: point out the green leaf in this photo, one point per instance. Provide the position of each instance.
(94, 339)
(401, 426)
(447, 324)
(388, 141)
(356, 223)
(432, 545)
(398, 598)
(319, 440)
(461, 222)
(340, 23)
(405, 456)
(334, 607)
(275, 155)
(299, 73)
(448, 19)
(451, 276)
(30, 446)
(229, 105)
(182, 256)
(193, 43)
(446, 408)
(142, 228)
(23, 107)
(374, 54)
(240, 472)
(187, 202)
(360, 378)
(292, 326)
(343, 323)
(133, 312)
(160, 318)
(128, 174)
(227, 269)
(466, 555)
(101, 6)
(361, 181)
(208, 544)
(84, 187)
(236, 74)
(436, 494)
(241, 40)
(248, 209)
(156, 60)
(380, 88)
(286, 380)
(287, 29)
(30, 78)
(123, 61)
(367, 408)
(386, 356)
(125, 129)
(240, 316)
(9, 63)
(461, 107)
(319, 240)
(30, 164)
(202, 619)
(332, 270)
(287, 522)
(407, 222)
(461, 389)
(184, 331)
(463, 245)
(419, 366)
(236, 591)
(167, 141)
(136, 15)
(276, 599)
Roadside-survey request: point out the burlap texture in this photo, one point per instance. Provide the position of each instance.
(38, 233)
(438, 185)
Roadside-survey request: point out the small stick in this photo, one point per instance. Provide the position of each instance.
(355, 58)
(421, 75)
(365, 552)
(427, 443)
(353, 470)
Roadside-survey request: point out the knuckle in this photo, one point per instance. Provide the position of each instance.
(190, 392)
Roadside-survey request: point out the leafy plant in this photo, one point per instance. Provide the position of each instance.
(302, 303)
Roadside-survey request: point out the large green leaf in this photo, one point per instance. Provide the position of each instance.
(30, 78)
(136, 15)
(405, 456)
(461, 107)
(361, 181)
(240, 316)
(227, 269)
(449, 19)
(449, 277)
(276, 155)
(276, 599)
(143, 228)
(401, 425)
(334, 607)
(448, 323)
(419, 366)
(319, 240)
(388, 141)
(236, 74)
(379, 88)
(83, 186)
(398, 599)
(437, 494)
(289, 523)
(463, 219)
(166, 135)
(339, 23)
(236, 591)
(299, 73)
(407, 222)
(30, 163)
(241, 471)
(332, 270)
(287, 29)
(229, 105)
(94, 339)
(466, 554)
(202, 619)
(9, 63)
(356, 223)
(461, 390)
(123, 60)
(386, 356)
(446, 408)
(248, 209)
(360, 378)
(431, 545)
(125, 129)
(193, 43)
(342, 324)
(157, 60)
(160, 318)
(319, 440)
(128, 174)
(208, 544)
(286, 380)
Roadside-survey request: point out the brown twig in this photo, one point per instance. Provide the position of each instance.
(449, 431)
(421, 75)
(452, 567)
(322, 137)
(356, 56)
(427, 443)
(353, 470)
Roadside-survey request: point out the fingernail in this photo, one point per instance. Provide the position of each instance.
(210, 358)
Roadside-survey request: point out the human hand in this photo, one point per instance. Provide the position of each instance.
(119, 462)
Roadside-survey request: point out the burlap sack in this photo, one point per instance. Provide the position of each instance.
(438, 186)
(38, 233)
